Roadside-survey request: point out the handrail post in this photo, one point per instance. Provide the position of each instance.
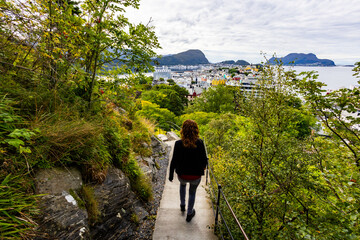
(207, 174)
(217, 206)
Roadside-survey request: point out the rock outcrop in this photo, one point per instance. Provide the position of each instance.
(121, 214)
(62, 218)
(115, 204)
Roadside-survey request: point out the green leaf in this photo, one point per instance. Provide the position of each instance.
(25, 149)
(14, 142)
(25, 133)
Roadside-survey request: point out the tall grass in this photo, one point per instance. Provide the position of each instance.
(75, 141)
(16, 209)
(58, 139)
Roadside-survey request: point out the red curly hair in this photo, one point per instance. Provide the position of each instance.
(189, 133)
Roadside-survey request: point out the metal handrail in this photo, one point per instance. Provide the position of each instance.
(217, 211)
(234, 216)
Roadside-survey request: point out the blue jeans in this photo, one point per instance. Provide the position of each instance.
(192, 193)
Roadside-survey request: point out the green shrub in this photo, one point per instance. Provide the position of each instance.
(131, 169)
(143, 188)
(95, 160)
(139, 140)
(139, 182)
(15, 139)
(163, 117)
(13, 135)
(118, 143)
(141, 136)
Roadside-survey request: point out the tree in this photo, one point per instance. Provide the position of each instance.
(219, 99)
(220, 131)
(111, 37)
(181, 92)
(336, 110)
(171, 82)
(234, 71)
(171, 97)
(63, 44)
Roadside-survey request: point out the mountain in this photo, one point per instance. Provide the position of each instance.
(309, 59)
(242, 62)
(190, 57)
(238, 62)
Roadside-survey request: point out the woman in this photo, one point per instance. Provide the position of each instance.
(189, 161)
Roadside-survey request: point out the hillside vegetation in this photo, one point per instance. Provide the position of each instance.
(61, 106)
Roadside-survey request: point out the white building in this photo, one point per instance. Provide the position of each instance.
(162, 72)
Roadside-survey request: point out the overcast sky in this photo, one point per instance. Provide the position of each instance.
(242, 29)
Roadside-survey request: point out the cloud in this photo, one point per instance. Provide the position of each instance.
(231, 28)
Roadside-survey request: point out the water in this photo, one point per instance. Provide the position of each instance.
(334, 77)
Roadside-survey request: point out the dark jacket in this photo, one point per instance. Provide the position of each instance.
(188, 161)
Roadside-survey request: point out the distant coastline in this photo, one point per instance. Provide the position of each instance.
(197, 57)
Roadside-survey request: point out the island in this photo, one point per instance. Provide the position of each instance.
(302, 59)
(238, 62)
